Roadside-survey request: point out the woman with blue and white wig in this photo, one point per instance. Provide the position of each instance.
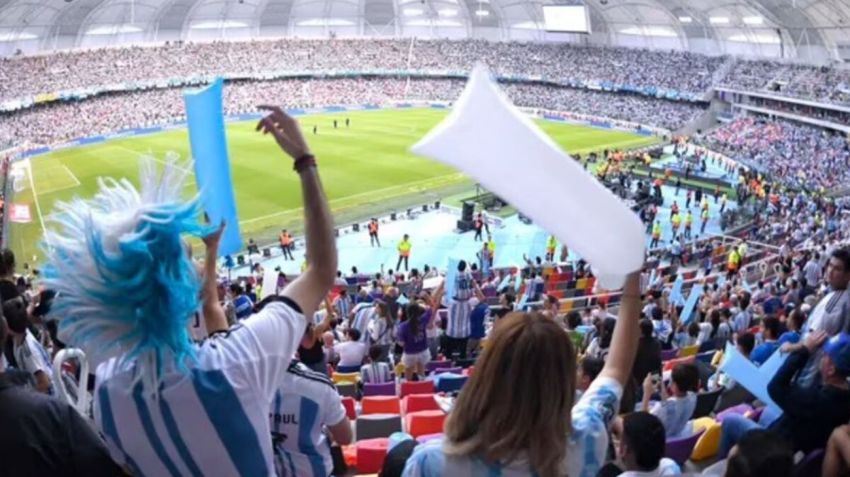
(127, 292)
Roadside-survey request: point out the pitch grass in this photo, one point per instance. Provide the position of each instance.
(366, 169)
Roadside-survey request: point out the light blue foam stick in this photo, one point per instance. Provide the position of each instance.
(676, 291)
(752, 378)
(208, 141)
(690, 304)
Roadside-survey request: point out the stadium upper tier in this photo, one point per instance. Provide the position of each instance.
(108, 113)
(592, 67)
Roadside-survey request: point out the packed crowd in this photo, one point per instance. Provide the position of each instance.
(109, 113)
(819, 83)
(627, 391)
(28, 76)
(793, 154)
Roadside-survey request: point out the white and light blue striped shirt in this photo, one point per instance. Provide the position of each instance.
(305, 403)
(213, 418)
(343, 305)
(587, 445)
(375, 373)
(363, 315)
(458, 317)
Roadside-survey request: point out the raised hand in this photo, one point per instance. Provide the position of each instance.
(285, 130)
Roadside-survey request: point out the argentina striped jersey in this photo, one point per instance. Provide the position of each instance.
(211, 419)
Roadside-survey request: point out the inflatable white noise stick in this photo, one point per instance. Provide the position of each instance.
(489, 139)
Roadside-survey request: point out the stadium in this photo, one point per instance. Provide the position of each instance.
(425, 237)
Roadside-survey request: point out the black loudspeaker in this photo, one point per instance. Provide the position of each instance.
(267, 252)
(336, 232)
(409, 212)
(392, 216)
(437, 205)
(425, 208)
(524, 219)
(240, 260)
(356, 227)
(468, 209)
(464, 225)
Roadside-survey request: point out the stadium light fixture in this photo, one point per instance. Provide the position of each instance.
(447, 12)
(481, 13)
(753, 20)
(217, 24)
(412, 12)
(113, 29)
(686, 20)
(12, 36)
(718, 20)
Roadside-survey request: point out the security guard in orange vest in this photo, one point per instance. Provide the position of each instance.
(403, 252)
(373, 233)
(286, 244)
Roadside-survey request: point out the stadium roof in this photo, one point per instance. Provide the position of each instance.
(813, 29)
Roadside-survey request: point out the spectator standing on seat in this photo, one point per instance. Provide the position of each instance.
(458, 321)
(412, 333)
(382, 329)
(221, 389)
(242, 304)
(648, 356)
(538, 430)
(306, 415)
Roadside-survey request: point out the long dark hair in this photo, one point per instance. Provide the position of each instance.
(414, 313)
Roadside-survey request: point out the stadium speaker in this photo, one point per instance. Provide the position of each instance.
(409, 212)
(425, 208)
(240, 260)
(437, 205)
(267, 252)
(468, 209)
(355, 227)
(392, 216)
(464, 225)
(524, 219)
(336, 232)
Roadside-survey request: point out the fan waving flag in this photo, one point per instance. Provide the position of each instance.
(488, 138)
(212, 164)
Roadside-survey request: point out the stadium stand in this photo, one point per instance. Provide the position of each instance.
(741, 340)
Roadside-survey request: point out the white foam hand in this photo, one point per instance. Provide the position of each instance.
(489, 139)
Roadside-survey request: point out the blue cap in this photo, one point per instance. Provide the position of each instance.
(838, 348)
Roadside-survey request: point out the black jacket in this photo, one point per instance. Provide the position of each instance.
(41, 435)
(809, 414)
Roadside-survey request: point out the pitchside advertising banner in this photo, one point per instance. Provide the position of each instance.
(20, 213)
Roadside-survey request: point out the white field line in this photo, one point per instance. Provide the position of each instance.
(35, 197)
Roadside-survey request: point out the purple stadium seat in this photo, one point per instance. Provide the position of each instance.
(680, 449)
(382, 389)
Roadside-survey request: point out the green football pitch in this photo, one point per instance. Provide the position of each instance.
(366, 169)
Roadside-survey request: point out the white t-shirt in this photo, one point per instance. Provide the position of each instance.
(32, 357)
(665, 467)
(351, 353)
(586, 447)
(306, 402)
(675, 413)
(224, 397)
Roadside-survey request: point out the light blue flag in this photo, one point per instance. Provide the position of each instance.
(451, 277)
(518, 283)
(676, 291)
(205, 119)
(752, 378)
(690, 304)
(746, 285)
(505, 282)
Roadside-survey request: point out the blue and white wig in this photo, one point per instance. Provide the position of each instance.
(125, 284)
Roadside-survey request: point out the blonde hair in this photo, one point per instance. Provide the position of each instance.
(518, 401)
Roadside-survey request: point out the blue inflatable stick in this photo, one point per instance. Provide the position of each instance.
(205, 119)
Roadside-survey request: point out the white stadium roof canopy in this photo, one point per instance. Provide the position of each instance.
(812, 29)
